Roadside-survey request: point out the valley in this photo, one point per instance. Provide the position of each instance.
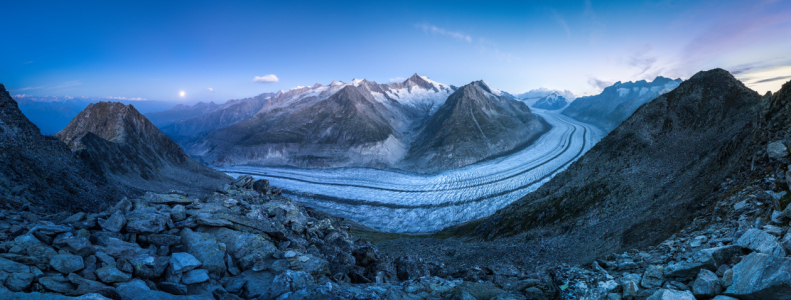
(426, 203)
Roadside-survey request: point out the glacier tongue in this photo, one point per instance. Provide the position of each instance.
(397, 201)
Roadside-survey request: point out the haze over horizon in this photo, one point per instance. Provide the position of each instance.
(213, 52)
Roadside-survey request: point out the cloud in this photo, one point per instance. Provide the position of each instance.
(773, 79)
(266, 78)
(125, 98)
(598, 83)
(641, 60)
(562, 22)
(50, 86)
(397, 79)
(427, 28)
(212, 90)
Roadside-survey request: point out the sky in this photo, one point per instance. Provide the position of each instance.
(189, 51)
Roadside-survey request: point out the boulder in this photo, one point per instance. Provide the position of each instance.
(18, 282)
(167, 199)
(257, 283)
(664, 294)
(760, 241)
(407, 268)
(727, 278)
(135, 293)
(178, 213)
(166, 240)
(115, 223)
(66, 263)
(182, 262)
(785, 242)
(8, 295)
(206, 249)
(195, 276)
(708, 259)
(261, 186)
(244, 181)
(776, 150)
(761, 276)
(58, 284)
(287, 282)
(111, 274)
(707, 284)
(146, 220)
(79, 244)
(653, 277)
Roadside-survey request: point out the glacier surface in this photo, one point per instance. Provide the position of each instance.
(403, 202)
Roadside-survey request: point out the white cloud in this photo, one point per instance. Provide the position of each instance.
(427, 28)
(397, 79)
(212, 90)
(266, 78)
(124, 98)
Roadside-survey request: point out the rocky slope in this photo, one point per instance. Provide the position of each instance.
(40, 171)
(552, 101)
(471, 125)
(186, 131)
(617, 102)
(647, 178)
(119, 142)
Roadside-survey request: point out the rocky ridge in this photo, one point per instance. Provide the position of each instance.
(119, 142)
(552, 101)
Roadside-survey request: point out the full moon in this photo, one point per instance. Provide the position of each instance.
(181, 94)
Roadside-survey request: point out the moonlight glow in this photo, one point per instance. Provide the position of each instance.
(181, 94)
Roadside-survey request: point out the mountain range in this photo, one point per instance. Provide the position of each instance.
(552, 101)
(358, 124)
(617, 102)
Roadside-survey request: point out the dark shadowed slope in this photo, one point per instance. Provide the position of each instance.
(41, 170)
(644, 180)
(120, 142)
(471, 125)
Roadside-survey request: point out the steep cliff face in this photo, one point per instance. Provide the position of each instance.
(117, 140)
(472, 124)
(40, 170)
(644, 180)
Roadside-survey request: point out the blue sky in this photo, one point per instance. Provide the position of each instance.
(155, 50)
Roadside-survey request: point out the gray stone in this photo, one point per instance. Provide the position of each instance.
(257, 283)
(57, 284)
(164, 239)
(167, 199)
(785, 242)
(85, 286)
(115, 223)
(723, 297)
(18, 282)
(178, 213)
(760, 241)
(79, 245)
(653, 277)
(630, 284)
(8, 295)
(182, 262)
(111, 274)
(134, 293)
(727, 278)
(67, 263)
(234, 284)
(173, 288)
(49, 229)
(761, 276)
(664, 294)
(146, 220)
(709, 259)
(136, 283)
(206, 249)
(289, 281)
(776, 150)
(195, 276)
(707, 284)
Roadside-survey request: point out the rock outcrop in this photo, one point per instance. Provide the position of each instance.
(119, 142)
(40, 170)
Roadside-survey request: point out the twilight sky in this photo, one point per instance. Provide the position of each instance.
(225, 50)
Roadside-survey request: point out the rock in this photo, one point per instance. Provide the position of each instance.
(79, 245)
(698, 241)
(134, 293)
(178, 213)
(66, 263)
(49, 229)
(709, 259)
(785, 242)
(111, 274)
(124, 266)
(631, 285)
(244, 181)
(760, 241)
(776, 150)
(195, 276)
(664, 294)
(723, 297)
(234, 284)
(18, 282)
(164, 239)
(182, 262)
(289, 281)
(57, 284)
(167, 199)
(408, 268)
(85, 286)
(707, 285)
(261, 186)
(206, 249)
(257, 283)
(115, 223)
(727, 278)
(653, 277)
(761, 276)
(146, 220)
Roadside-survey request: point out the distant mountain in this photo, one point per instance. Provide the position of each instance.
(617, 102)
(186, 131)
(648, 177)
(532, 96)
(473, 123)
(118, 141)
(42, 171)
(552, 101)
(180, 112)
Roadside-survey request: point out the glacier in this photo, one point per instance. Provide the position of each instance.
(404, 202)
